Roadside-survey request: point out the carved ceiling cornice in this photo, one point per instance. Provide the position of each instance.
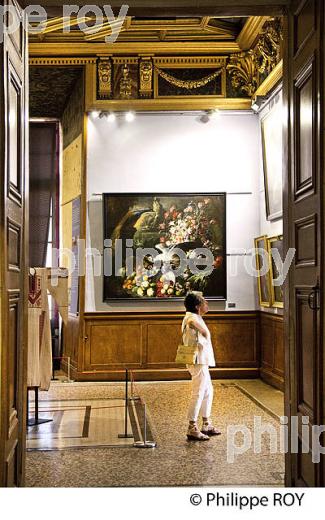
(151, 75)
(248, 70)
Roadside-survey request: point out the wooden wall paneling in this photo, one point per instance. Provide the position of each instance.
(163, 339)
(108, 345)
(272, 349)
(235, 342)
(279, 350)
(147, 343)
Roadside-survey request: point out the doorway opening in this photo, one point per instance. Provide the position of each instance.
(189, 149)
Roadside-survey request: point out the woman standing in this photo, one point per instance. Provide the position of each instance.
(194, 332)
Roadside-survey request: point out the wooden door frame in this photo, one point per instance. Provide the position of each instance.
(20, 285)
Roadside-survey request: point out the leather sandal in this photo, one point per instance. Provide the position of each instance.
(208, 429)
(194, 434)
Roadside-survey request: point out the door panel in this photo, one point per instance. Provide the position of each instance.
(303, 222)
(14, 257)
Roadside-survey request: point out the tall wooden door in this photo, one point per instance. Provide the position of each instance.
(13, 252)
(304, 223)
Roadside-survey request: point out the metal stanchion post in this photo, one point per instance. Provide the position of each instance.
(144, 443)
(126, 435)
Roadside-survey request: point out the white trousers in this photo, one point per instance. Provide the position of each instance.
(202, 392)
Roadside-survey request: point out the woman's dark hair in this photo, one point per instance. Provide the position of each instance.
(192, 300)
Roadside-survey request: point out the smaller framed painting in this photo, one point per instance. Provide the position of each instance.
(263, 280)
(276, 290)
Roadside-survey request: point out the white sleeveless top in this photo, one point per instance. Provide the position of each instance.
(192, 336)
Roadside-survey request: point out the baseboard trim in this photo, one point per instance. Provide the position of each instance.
(165, 375)
(272, 379)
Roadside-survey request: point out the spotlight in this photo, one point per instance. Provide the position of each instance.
(209, 115)
(214, 114)
(205, 117)
(111, 117)
(94, 114)
(257, 103)
(129, 117)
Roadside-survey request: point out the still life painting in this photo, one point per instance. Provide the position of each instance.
(180, 227)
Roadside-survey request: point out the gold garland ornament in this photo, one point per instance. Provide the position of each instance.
(188, 84)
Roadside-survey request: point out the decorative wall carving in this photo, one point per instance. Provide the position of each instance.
(248, 69)
(243, 71)
(125, 84)
(188, 84)
(146, 70)
(268, 47)
(104, 70)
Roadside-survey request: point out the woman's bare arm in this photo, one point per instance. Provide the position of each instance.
(193, 325)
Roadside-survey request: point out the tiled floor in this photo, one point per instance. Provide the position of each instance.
(175, 461)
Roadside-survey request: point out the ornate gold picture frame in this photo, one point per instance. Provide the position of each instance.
(263, 280)
(275, 242)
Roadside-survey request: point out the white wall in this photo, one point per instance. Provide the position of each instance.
(178, 153)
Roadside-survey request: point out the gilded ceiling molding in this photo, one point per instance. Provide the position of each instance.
(250, 31)
(125, 60)
(172, 103)
(190, 61)
(146, 72)
(61, 61)
(272, 79)
(127, 48)
(243, 71)
(104, 71)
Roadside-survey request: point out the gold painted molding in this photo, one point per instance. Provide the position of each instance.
(61, 61)
(125, 60)
(127, 48)
(273, 78)
(190, 61)
(250, 31)
(183, 103)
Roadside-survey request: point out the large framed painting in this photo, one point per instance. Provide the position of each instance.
(263, 280)
(271, 126)
(159, 246)
(276, 290)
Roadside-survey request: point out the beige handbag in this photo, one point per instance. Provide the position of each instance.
(187, 354)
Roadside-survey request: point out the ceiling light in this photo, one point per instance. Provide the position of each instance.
(129, 117)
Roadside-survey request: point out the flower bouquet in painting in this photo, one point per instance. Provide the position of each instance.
(162, 246)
